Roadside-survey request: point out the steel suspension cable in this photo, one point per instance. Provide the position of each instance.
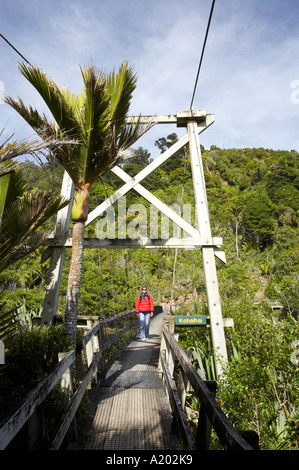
(202, 53)
(24, 58)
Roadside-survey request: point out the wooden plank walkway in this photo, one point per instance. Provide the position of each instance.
(129, 408)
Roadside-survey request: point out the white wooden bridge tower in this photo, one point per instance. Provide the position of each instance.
(199, 237)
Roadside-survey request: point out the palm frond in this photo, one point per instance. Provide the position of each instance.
(52, 137)
(64, 107)
(63, 146)
(96, 118)
(96, 125)
(29, 114)
(8, 323)
(27, 213)
(21, 220)
(130, 133)
(120, 88)
(54, 99)
(76, 102)
(15, 186)
(4, 183)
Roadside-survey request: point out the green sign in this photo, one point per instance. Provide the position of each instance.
(193, 320)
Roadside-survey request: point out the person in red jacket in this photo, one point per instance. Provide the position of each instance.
(144, 310)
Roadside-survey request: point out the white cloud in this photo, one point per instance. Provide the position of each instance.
(247, 71)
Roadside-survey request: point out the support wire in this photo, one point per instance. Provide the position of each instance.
(24, 58)
(202, 53)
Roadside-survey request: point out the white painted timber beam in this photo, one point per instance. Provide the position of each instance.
(208, 253)
(58, 253)
(146, 171)
(159, 119)
(180, 118)
(136, 179)
(171, 214)
(188, 243)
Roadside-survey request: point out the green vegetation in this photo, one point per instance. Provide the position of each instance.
(93, 135)
(28, 361)
(253, 197)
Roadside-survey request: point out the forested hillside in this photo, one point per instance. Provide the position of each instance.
(253, 197)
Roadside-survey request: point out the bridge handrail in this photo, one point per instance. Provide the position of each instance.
(94, 344)
(11, 425)
(96, 327)
(210, 410)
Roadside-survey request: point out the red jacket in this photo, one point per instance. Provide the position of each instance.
(144, 303)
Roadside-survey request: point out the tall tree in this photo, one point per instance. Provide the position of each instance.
(96, 118)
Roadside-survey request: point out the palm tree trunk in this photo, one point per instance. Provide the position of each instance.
(79, 216)
(74, 281)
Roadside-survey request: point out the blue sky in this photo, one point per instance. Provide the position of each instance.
(249, 68)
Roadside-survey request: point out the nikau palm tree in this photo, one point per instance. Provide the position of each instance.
(97, 119)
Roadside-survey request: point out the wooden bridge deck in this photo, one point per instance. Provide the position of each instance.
(129, 408)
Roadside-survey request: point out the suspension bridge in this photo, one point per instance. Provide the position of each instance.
(137, 399)
(129, 409)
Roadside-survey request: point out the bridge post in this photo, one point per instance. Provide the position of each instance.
(57, 254)
(208, 252)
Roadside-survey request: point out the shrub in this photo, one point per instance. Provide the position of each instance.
(30, 358)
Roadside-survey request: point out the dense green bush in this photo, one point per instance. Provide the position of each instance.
(30, 358)
(261, 382)
(259, 389)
